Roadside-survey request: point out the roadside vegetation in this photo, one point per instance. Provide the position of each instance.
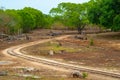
(105, 13)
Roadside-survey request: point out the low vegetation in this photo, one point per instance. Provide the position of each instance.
(84, 75)
(56, 47)
(91, 42)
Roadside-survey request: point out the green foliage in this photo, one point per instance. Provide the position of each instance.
(4, 21)
(91, 42)
(48, 21)
(28, 21)
(57, 47)
(73, 16)
(15, 21)
(105, 12)
(57, 25)
(10, 22)
(37, 15)
(84, 75)
(70, 14)
(30, 78)
(116, 23)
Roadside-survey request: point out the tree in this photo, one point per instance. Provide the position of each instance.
(28, 21)
(116, 23)
(71, 14)
(4, 21)
(37, 15)
(15, 21)
(9, 22)
(105, 13)
(48, 21)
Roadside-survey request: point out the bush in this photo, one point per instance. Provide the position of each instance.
(84, 75)
(58, 26)
(91, 42)
(116, 23)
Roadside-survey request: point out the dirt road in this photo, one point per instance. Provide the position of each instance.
(16, 49)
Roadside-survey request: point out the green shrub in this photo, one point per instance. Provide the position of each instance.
(91, 42)
(30, 78)
(84, 75)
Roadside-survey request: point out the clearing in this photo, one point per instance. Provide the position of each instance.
(68, 50)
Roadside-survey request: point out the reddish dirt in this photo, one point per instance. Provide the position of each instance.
(102, 54)
(43, 70)
(34, 35)
(105, 53)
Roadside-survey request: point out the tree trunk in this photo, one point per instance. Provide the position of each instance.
(80, 28)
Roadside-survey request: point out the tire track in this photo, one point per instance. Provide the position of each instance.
(15, 51)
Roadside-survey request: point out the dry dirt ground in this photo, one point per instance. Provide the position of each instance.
(104, 53)
(50, 73)
(16, 67)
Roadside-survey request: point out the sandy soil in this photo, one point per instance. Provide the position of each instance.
(43, 69)
(103, 54)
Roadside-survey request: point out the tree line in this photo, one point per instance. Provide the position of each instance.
(105, 13)
(22, 21)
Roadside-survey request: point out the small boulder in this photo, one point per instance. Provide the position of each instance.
(82, 37)
(76, 74)
(59, 43)
(28, 69)
(51, 53)
(3, 73)
(61, 52)
(29, 76)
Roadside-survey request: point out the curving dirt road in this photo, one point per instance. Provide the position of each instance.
(15, 52)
